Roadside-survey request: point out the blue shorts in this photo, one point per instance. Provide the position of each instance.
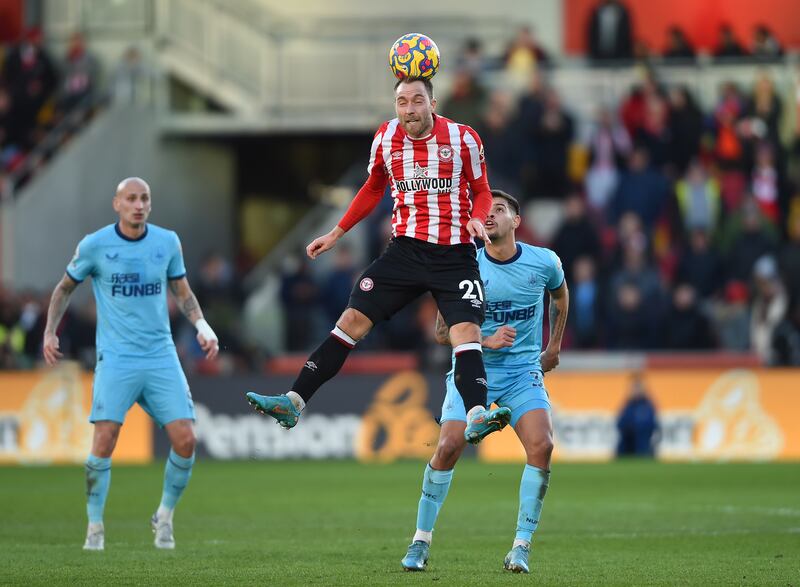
(162, 392)
(521, 390)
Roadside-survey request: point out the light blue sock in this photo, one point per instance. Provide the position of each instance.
(176, 477)
(98, 480)
(435, 485)
(532, 490)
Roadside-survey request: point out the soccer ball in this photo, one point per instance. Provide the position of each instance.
(414, 55)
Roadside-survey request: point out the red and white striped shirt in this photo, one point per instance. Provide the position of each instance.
(432, 179)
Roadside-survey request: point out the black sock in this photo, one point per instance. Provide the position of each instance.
(470, 377)
(323, 364)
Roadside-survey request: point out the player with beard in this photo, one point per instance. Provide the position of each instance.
(441, 198)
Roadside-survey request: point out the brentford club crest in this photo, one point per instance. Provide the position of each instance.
(366, 284)
(445, 153)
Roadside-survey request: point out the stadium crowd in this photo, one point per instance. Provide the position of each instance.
(38, 92)
(680, 226)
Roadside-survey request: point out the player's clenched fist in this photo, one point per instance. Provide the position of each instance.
(549, 360)
(502, 337)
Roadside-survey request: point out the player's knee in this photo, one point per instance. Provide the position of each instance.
(104, 441)
(185, 444)
(540, 450)
(355, 324)
(464, 332)
(448, 450)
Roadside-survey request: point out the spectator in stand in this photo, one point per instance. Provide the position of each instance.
(642, 190)
(131, 81)
(524, 55)
(552, 138)
(467, 100)
(529, 114)
(728, 46)
(685, 128)
(472, 58)
(300, 298)
(219, 292)
(338, 283)
(11, 133)
(577, 236)
(698, 199)
(786, 340)
(637, 424)
(610, 35)
(678, 46)
(633, 110)
(762, 117)
(731, 318)
(609, 147)
(585, 303)
(12, 335)
(766, 46)
(729, 150)
(654, 133)
(700, 266)
(29, 74)
(687, 328)
(766, 184)
(502, 141)
(637, 268)
(79, 78)
(769, 308)
(789, 256)
(750, 235)
(629, 323)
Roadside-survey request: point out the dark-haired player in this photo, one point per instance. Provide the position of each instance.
(515, 277)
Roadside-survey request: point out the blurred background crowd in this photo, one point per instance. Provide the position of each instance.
(678, 225)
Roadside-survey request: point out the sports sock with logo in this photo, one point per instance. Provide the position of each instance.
(323, 363)
(532, 489)
(435, 485)
(98, 480)
(470, 375)
(177, 473)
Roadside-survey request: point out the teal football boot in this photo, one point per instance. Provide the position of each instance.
(279, 407)
(417, 556)
(483, 423)
(517, 559)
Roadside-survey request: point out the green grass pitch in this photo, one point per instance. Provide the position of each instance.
(344, 523)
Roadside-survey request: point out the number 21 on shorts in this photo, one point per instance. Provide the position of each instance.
(471, 287)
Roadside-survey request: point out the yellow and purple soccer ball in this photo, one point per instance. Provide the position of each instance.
(414, 55)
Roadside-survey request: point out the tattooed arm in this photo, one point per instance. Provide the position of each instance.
(559, 306)
(59, 302)
(187, 302)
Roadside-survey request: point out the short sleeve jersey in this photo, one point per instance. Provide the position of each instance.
(514, 292)
(129, 280)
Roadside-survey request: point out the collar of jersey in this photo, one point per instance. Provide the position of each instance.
(127, 238)
(507, 261)
(428, 136)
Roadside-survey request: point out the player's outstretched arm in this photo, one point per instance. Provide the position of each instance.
(187, 302)
(324, 243)
(559, 307)
(59, 302)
